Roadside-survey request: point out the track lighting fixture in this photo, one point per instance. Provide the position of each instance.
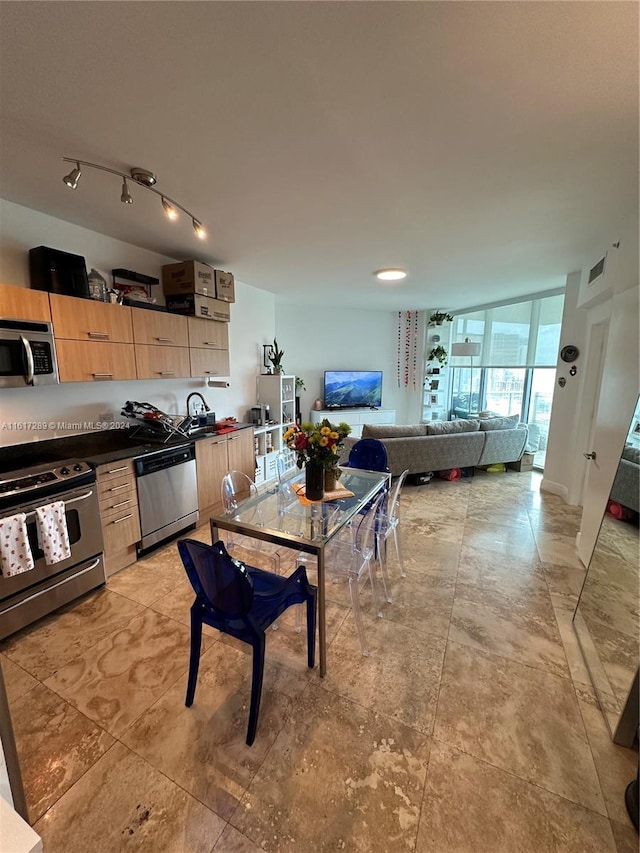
(143, 178)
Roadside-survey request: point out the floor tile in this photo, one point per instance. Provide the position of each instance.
(132, 807)
(150, 578)
(523, 630)
(471, 807)
(56, 746)
(232, 841)
(514, 575)
(57, 639)
(558, 550)
(122, 676)
(177, 605)
(519, 719)
(17, 681)
(338, 777)
(626, 838)
(202, 748)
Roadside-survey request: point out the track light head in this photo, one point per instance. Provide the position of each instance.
(71, 180)
(169, 209)
(125, 198)
(197, 227)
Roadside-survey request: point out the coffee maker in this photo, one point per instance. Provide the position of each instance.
(260, 415)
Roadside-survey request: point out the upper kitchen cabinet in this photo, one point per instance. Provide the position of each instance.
(94, 340)
(87, 320)
(21, 303)
(159, 329)
(208, 347)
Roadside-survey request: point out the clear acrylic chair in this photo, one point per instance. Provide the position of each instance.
(354, 556)
(387, 524)
(242, 601)
(236, 487)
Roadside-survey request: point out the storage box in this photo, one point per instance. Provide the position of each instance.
(195, 277)
(195, 305)
(225, 286)
(524, 464)
(188, 277)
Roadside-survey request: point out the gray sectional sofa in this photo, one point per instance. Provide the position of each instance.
(442, 445)
(626, 485)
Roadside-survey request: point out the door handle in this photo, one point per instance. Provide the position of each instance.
(591, 455)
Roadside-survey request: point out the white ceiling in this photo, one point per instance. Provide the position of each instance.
(486, 147)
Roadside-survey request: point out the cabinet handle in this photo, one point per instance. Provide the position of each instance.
(100, 335)
(122, 503)
(124, 518)
(102, 375)
(116, 470)
(117, 488)
(165, 340)
(166, 373)
(211, 372)
(209, 343)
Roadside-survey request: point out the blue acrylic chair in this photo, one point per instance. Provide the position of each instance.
(370, 454)
(242, 601)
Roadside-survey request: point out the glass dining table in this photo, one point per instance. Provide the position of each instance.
(279, 516)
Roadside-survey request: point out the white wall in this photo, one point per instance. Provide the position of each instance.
(333, 338)
(252, 324)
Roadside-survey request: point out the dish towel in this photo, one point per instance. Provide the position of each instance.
(15, 552)
(52, 532)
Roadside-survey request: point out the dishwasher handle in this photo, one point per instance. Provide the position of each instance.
(164, 459)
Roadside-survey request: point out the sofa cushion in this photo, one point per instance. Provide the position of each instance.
(631, 453)
(449, 427)
(392, 431)
(510, 422)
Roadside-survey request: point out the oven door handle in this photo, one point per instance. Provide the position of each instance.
(55, 586)
(29, 356)
(66, 503)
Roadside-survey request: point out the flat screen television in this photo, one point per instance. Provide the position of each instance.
(350, 389)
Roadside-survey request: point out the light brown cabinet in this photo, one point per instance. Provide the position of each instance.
(119, 515)
(208, 348)
(161, 362)
(21, 303)
(214, 457)
(206, 362)
(87, 320)
(159, 329)
(88, 361)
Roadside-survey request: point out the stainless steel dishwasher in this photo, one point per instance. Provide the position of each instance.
(167, 493)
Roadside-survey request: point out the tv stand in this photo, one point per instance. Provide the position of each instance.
(356, 417)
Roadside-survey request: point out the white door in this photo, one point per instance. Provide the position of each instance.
(616, 404)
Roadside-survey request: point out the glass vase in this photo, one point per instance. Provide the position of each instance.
(330, 479)
(314, 480)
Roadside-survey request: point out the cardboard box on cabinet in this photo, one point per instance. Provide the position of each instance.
(196, 305)
(196, 277)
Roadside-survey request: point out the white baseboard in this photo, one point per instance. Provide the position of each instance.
(555, 489)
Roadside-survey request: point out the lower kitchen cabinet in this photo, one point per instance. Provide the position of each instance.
(214, 457)
(119, 515)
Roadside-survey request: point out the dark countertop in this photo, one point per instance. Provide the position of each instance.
(96, 448)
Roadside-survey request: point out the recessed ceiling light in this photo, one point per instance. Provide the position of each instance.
(392, 274)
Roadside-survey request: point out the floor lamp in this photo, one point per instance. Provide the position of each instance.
(467, 348)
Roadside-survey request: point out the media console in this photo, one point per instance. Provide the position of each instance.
(354, 417)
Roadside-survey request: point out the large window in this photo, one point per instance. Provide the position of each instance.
(514, 372)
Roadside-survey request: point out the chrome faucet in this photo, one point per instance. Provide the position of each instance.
(197, 394)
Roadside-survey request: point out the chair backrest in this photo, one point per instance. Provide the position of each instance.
(370, 454)
(236, 487)
(283, 465)
(365, 529)
(393, 511)
(221, 582)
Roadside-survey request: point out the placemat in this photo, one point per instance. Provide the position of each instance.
(339, 492)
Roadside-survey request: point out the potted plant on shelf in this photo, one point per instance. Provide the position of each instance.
(317, 448)
(275, 357)
(439, 317)
(300, 386)
(438, 353)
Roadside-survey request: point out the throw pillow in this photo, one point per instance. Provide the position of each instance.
(392, 431)
(450, 427)
(510, 422)
(631, 454)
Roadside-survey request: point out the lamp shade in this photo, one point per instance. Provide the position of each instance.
(466, 348)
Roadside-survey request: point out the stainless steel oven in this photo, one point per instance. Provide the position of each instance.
(27, 354)
(30, 595)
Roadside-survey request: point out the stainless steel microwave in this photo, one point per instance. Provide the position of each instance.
(27, 354)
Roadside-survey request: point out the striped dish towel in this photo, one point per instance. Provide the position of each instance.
(15, 552)
(53, 533)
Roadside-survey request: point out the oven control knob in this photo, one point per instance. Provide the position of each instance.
(77, 466)
(64, 470)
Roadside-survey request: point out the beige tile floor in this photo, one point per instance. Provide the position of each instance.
(471, 727)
